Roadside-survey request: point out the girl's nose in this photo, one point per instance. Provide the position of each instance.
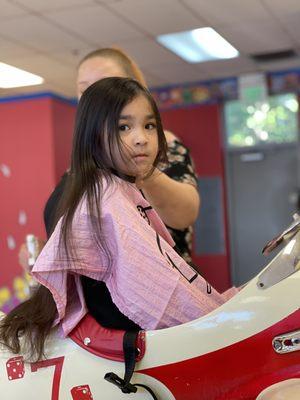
(140, 138)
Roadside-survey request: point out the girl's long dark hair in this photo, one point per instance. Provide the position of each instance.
(96, 134)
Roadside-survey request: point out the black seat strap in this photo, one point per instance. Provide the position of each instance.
(130, 353)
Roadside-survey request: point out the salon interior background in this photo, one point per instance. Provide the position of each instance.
(248, 188)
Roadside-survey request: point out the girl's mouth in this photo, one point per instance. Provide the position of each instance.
(140, 157)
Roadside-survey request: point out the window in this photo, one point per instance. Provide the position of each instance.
(273, 121)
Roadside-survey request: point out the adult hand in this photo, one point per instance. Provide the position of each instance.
(146, 177)
(176, 203)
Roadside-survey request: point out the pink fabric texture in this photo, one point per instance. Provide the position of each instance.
(148, 281)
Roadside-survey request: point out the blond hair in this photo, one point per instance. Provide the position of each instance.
(129, 66)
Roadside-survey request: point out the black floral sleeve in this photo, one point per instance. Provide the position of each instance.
(181, 169)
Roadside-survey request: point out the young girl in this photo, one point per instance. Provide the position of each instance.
(173, 193)
(108, 232)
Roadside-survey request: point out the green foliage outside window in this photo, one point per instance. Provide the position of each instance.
(273, 121)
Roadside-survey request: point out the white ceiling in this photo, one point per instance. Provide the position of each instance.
(50, 37)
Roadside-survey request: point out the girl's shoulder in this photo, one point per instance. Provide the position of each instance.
(118, 199)
(115, 189)
(116, 193)
(106, 191)
(123, 199)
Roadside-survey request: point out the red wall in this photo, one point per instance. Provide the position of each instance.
(29, 133)
(63, 116)
(200, 129)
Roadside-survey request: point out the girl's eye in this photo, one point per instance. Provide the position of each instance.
(150, 126)
(123, 128)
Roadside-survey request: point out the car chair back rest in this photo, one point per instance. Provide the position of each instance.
(104, 342)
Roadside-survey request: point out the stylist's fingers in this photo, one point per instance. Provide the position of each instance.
(147, 176)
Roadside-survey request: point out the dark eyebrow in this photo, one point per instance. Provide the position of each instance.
(150, 116)
(125, 117)
(130, 117)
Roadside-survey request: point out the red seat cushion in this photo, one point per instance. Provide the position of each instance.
(104, 342)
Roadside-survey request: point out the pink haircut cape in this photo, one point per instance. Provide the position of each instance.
(148, 281)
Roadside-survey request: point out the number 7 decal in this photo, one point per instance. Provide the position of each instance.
(58, 364)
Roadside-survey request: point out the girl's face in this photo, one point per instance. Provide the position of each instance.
(138, 138)
(94, 69)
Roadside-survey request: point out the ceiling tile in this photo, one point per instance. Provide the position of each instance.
(282, 8)
(148, 52)
(9, 49)
(38, 5)
(223, 13)
(153, 80)
(46, 67)
(71, 57)
(292, 26)
(10, 10)
(63, 90)
(39, 34)
(107, 1)
(157, 16)
(95, 23)
(256, 37)
(231, 67)
(178, 72)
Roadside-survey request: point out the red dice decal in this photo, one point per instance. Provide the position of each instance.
(81, 393)
(15, 368)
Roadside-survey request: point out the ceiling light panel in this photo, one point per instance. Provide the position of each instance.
(198, 45)
(12, 77)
